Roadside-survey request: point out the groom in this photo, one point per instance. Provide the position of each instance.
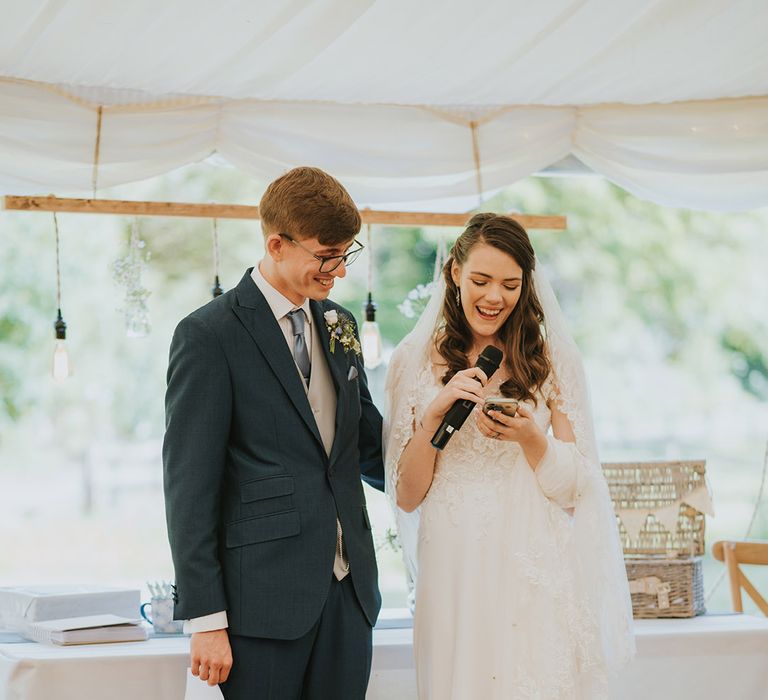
(268, 432)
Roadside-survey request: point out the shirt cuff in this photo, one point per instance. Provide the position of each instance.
(207, 623)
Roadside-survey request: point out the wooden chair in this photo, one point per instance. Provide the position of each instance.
(735, 553)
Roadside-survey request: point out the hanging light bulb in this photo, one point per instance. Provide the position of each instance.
(61, 368)
(370, 335)
(60, 354)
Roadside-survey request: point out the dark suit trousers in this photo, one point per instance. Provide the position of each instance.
(331, 662)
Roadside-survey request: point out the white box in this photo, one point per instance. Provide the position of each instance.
(23, 605)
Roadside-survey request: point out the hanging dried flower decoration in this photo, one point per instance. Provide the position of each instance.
(127, 272)
(418, 298)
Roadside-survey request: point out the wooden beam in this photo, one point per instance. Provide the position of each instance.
(242, 211)
(127, 208)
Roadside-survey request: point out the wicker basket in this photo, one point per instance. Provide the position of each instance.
(665, 587)
(654, 485)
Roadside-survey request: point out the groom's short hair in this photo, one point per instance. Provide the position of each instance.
(308, 203)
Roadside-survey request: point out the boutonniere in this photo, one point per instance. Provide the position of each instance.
(341, 329)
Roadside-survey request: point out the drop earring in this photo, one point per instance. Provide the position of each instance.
(458, 296)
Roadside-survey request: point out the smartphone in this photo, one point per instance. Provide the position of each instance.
(502, 404)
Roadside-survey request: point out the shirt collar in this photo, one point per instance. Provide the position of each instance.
(279, 304)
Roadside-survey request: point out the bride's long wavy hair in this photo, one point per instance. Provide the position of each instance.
(522, 336)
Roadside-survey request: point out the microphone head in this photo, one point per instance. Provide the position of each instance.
(489, 360)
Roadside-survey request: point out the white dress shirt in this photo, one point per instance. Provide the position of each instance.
(280, 307)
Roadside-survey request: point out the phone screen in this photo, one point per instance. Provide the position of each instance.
(507, 406)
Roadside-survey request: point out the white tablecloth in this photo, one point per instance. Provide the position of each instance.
(712, 657)
(718, 657)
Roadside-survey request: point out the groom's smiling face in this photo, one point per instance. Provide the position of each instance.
(298, 270)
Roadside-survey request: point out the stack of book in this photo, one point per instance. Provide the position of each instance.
(90, 629)
(72, 614)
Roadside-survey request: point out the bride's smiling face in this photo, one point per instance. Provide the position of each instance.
(490, 282)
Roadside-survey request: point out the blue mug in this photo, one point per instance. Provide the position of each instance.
(162, 616)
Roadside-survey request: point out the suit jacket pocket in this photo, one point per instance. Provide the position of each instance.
(266, 487)
(263, 528)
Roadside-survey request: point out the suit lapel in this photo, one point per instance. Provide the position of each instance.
(338, 365)
(257, 318)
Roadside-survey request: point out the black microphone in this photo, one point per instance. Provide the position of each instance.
(489, 362)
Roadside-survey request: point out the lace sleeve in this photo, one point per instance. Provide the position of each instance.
(558, 471)
(549, 390)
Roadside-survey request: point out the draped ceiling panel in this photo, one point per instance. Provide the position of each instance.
(668, 99)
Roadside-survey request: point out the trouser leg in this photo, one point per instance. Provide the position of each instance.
(340, 662)
(268, 669)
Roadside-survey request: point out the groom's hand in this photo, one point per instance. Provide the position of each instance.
(211, 656)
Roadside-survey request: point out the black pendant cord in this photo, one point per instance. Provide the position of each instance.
(370, 306)
(370, 260)
(58, 267)
(216, 290)
(59, 325)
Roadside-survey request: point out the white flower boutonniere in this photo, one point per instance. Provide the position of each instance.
(341, 329)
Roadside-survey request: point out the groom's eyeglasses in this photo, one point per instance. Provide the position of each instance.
(328, 263)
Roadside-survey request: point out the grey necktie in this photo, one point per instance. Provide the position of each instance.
(300, 353)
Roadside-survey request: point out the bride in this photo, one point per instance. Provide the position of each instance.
(508, 533)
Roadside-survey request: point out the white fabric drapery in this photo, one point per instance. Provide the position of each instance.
(668, 101)
(496, 52)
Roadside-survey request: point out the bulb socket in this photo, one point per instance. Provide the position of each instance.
(60, 327)
(370, 309)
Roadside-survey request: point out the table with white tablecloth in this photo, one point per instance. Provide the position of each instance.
(713, 657)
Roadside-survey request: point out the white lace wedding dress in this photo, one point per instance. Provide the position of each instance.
(521, 589)
(497, 614)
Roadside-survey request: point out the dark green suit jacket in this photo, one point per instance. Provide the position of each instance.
(251, 495)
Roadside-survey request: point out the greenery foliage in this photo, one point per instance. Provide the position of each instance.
(668, 307)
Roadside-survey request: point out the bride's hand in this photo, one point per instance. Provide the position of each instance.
(521, 428)
(466, 384)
